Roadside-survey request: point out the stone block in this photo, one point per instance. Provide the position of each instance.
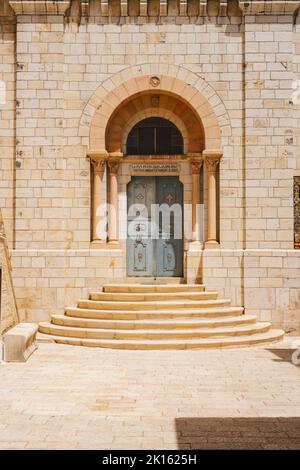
(20, 342)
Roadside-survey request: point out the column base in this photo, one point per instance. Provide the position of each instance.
(195, 246)
(114, 244)
(98, 244)
(211, 244)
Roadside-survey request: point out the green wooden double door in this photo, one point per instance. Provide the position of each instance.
(155, 226)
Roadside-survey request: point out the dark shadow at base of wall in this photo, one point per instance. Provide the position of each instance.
(238, 433)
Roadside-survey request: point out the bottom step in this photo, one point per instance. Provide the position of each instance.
(251, 340)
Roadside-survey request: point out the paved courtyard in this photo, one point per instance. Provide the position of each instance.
(68, 397)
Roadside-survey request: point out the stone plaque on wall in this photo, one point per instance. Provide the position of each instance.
(153, 169)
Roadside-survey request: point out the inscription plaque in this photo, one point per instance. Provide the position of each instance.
(155, 169)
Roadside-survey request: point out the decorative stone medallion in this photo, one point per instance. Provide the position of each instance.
(154, 81)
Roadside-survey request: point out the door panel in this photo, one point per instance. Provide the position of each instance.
(140, 197)
(170, 243)
(162, 256)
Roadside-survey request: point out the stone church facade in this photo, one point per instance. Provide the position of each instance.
(78, 77)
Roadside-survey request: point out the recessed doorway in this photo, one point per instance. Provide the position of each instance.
(155, 226)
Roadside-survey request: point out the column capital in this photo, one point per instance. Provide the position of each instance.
(196, 166)
(212, 164)
(98, 164)
(212, 159)
(113, 164)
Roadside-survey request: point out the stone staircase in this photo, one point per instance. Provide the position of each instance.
(157, 316)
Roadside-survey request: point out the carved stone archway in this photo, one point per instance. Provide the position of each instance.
(154, 104)
(107, 132)
(191, 88)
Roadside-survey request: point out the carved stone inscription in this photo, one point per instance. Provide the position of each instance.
(155, 169)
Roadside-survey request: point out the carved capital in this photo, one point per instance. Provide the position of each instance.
(212, 163)
(196, 166)
(98, 165)
(113, 166)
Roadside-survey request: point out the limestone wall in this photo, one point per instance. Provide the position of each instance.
(60, 68)
(7, 117)
(246, 66)
(265, 282)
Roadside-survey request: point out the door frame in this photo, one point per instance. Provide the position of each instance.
(154, 246)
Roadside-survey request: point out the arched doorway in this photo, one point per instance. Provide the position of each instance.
(154, 204)
(125, 129)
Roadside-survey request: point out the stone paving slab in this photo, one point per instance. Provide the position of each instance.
(68, 397)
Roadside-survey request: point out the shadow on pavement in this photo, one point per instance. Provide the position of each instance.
(284, 355)
(238, 433)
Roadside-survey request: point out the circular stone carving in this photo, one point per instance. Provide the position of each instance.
(154, 81)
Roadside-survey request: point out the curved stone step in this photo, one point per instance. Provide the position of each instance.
(212, 312)
(148, 297)
(232, 341)
(147, 334)
(144, 288)
(152, 305)
(169, 324)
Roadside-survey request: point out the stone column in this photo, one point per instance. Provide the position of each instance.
(113, 201)
(212, 161)
(99, 165)
(196, 166)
